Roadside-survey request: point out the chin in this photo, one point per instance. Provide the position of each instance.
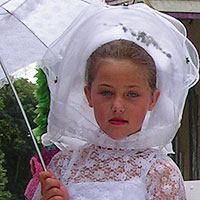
(120, 137)
(116, 137)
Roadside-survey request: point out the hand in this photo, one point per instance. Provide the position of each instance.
(51, 187)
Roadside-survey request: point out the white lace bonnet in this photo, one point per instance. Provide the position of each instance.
(162, 36)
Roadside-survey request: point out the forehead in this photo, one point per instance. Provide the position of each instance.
(111, 66)
(123, 70)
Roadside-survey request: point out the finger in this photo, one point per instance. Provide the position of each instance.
(64, 192)
(49, 183)
(52, 173)
(57, 198)
(54, 198)
(44, 175)
(53, 193)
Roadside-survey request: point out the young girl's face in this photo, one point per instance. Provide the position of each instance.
(120, 96)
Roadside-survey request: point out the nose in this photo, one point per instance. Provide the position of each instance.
(118, 105)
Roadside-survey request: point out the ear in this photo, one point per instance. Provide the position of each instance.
(87, 92)
(155, 97)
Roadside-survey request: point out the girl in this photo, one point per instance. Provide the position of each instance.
(138, 66)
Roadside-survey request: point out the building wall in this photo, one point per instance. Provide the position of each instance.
(184, 149)
(176, 5)
(193, 28)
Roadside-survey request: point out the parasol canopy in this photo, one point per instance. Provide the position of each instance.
(27, 30)
(28, 27)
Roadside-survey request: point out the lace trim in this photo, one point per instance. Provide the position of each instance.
(91, 164)
(164, 181)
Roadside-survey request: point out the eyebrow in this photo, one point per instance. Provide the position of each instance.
(132, 86)
(104, 85)
(127, 86)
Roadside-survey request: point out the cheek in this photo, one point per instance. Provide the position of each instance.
(99, 102)
(100, 110)
(99, 116)
(138, 111)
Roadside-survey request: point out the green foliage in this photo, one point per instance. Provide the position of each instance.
(1, 104)
(42, 95)
(3, 179)
(15, 140)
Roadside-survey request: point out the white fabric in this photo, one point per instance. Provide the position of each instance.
(28, 27)
(192, 189)
(111, 174)
(163, 37)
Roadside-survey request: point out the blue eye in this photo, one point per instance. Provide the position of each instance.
(132, 94)
(106, 93)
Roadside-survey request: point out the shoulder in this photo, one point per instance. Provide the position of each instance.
(60, 160)
(144, 158)
(164, 179)
(165, 166)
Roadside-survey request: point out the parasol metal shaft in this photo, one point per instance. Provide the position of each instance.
(24, 114)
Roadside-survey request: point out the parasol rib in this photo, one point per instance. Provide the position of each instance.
(24, 114)
(25, 26)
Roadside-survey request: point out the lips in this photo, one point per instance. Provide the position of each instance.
(118, 121)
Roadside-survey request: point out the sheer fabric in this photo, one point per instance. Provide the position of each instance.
(177, 65)
(93, 172)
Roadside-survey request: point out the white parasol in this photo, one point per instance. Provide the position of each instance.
(27, 30)
(28, 27)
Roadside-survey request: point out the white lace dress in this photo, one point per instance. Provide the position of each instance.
(96, 173)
